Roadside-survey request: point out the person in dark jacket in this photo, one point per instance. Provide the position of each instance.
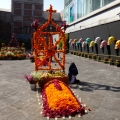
(72, 73)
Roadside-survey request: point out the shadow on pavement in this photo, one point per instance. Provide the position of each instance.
(86, 86)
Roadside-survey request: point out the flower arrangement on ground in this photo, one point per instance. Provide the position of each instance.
(111, 61)
(117, 62)
(98, 58)
(94, 57)
(43, 77)
(12, 53)
(105, 60)
(59, 100)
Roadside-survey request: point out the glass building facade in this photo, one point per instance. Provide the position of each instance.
(75, 9)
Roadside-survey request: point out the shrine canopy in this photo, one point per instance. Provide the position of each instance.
(13, 42)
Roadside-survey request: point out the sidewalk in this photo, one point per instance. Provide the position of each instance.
(99, 90)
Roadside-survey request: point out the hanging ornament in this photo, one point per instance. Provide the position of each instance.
(97, 39)
(117, 45)
(92, 43)
(75, 40)
(83, 44)
(88, 40)
(81, 40)
(111, 39)
(103, 44)
(70, 40)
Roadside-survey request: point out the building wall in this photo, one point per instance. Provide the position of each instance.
(62, 15)
(101, 16)
(23, 14)
(103, 31)
(78, 9)
(5, 25)
(55, 16)
(102, 23)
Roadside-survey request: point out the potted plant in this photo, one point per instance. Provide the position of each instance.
(33, 79)
(89, 56)
(98, 58)
(79, 53)
(117, 62)
(71, 52)
(105, 60)
(111, 61)
(31, 57)
(85, 55)
(94, 57)
(82, 54)
(75, 52)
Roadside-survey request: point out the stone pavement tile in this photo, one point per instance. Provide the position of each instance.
(104, 114)
(101, 93)
(116, 115)
(113, 94)
(19, 104)
(4, 88)
(30, 109)
(111, 103)
(3, 96)
(12, 92)
(16, 116)
(2, 104)
(7, 111)
(20, 96)
(9, 100)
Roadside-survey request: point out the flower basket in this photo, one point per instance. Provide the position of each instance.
(117, 63)
(98, 58)
(105, 60)
(44, 80)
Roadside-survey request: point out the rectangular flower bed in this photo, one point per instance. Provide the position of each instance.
(58, 100)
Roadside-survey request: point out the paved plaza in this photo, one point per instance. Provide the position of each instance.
(99, 89)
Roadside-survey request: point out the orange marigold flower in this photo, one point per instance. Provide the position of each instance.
(59, 99)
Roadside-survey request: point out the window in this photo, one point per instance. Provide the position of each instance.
(27, 6)
(28, 12)
(17, 12)
(108, 1)
(17, 5)
(86, 7)
(79, 9)
(96, 4)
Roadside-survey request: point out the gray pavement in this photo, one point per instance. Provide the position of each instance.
(99, 90)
